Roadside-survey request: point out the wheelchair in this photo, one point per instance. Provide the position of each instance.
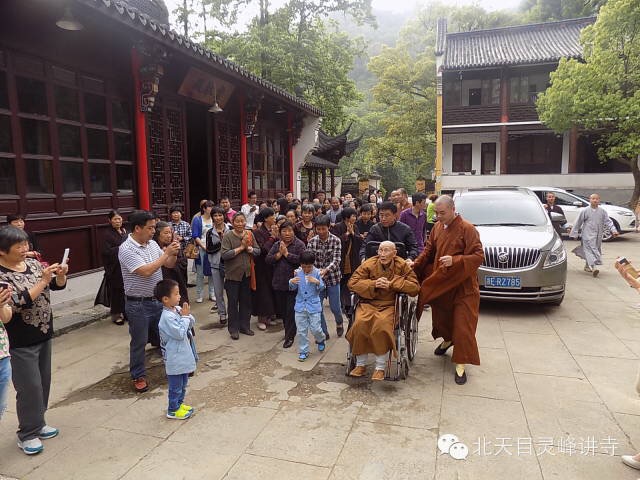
(405, 326)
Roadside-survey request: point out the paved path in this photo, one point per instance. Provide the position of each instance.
(554, 398)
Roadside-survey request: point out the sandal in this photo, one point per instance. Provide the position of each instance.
(119, 320)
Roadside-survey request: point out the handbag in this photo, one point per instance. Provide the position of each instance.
(213, 247)
(103, 297)
(191, 250)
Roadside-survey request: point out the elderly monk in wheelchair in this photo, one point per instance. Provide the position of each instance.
(376, 282)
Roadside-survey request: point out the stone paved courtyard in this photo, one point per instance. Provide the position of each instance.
(554, 398)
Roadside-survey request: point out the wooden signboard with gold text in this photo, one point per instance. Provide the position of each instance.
(206, 88)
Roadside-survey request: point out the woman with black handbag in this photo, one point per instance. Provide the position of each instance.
(111, 293)
(214, 245)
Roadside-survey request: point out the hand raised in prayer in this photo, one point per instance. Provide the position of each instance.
(173, 248)
(283, 249)
(186, 309)
(382, 283)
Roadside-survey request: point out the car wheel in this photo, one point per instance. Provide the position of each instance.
(606, 235)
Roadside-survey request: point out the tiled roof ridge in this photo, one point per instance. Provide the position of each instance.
(130, 14)
(526, 26)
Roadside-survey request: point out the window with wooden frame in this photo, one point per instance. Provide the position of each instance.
(268, 162)
(72, 132)
(461, 157)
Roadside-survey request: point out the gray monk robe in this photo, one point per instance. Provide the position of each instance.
(592, 221)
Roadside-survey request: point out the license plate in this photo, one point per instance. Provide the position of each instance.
(502, 282)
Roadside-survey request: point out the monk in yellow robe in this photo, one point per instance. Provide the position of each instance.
(448, 271)
(377, 281)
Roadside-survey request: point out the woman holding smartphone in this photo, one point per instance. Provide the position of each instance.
(30, 332)
(5, 357)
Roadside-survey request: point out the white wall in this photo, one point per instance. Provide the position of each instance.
(590, 181)
(476, 139)
(307, 141)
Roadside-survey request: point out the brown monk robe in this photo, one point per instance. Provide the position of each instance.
(452, 291)
(372, 331)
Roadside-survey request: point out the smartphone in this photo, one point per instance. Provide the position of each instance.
(623, 261)
(65, 257)
(4, 285)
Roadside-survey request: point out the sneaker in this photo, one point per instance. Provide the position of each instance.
(140, 384)
(303, 356)
(47, 432)
(214, 308)
(31, 447)
(595, 272)
(321, 346)
(199, 300)
(212, 298)
(180, 414)
(184, 406)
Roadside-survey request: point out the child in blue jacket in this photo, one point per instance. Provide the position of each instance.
(177, 346)
(308, 282)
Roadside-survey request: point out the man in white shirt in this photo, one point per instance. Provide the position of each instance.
(141, 260)
(250, 210)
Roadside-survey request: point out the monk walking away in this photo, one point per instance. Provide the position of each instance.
(447, 269)
(377, 281)
(592, 220)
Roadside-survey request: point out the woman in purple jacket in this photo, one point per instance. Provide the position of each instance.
(284, 256)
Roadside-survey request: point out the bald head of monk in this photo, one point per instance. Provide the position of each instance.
(445, 209)
(594, 200)
(386, 251)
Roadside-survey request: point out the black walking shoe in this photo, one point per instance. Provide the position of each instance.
(249, 332)
(441, 351)
(461, 379)
(287, 343)
(340, 330)
(235, 335)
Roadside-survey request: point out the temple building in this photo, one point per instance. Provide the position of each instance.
(103, 106)
(489, 132)
(318, 170)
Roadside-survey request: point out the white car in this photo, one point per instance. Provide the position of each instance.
(623, 218)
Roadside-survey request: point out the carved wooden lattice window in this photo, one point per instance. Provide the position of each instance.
(166, 158)
(228, 161)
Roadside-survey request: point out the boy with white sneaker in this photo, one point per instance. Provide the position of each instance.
(309, 284)
(176, 343)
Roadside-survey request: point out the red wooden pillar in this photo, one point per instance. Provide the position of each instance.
(292, 174)
(244, 171)
(142, 165)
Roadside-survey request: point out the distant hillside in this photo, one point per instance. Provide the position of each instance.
(386, 33)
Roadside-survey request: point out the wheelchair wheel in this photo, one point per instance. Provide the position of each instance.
(411, 333)
(404, 369)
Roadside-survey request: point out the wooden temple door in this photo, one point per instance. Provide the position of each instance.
(166, 136)
(227, 160)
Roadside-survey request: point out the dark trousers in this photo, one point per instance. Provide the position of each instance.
(143, 316)
(177, 390)
(345, 293)
(31, 367)
(285, 301)
(239, 307)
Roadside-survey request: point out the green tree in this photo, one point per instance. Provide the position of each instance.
(602, 92)
(548, 10)
(307, 56)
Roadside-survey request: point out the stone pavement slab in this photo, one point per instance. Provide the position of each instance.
(549, 376)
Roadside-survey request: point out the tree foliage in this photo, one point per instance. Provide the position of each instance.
(602, 92)
(299, 49)
(548, 10)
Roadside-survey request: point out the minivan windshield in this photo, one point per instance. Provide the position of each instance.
(501, 209)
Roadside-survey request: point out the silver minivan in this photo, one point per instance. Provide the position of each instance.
(524, 258)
